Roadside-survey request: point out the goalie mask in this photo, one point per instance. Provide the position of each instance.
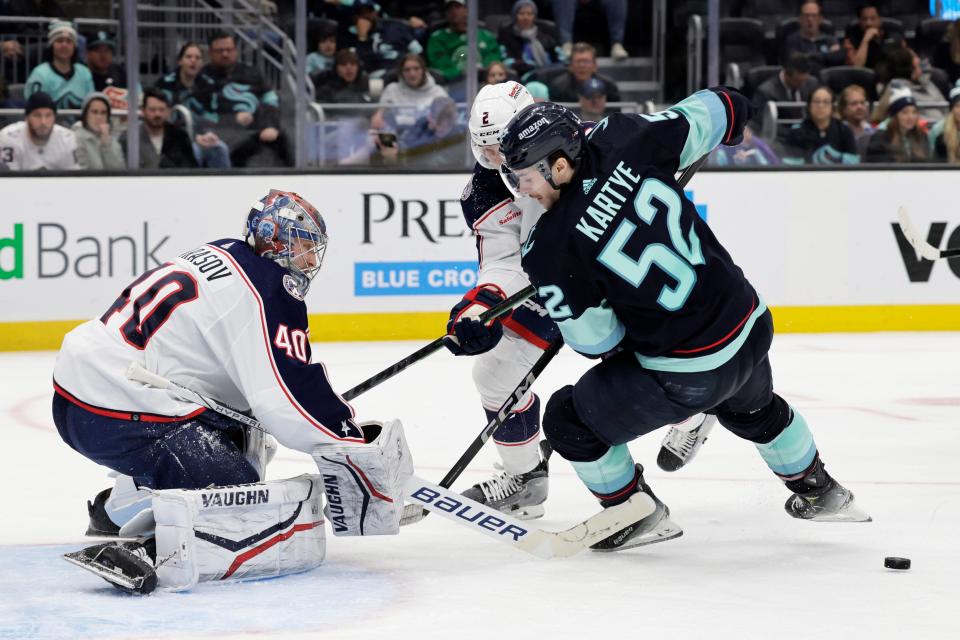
(492, 109)
(287, 229)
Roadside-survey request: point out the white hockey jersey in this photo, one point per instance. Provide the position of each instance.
(221, 321)
(502, 224)
(19, 153)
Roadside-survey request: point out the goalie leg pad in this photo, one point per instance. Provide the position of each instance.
(257, 530)
(365, 482)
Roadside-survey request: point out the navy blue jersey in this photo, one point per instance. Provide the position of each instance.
(623, 259)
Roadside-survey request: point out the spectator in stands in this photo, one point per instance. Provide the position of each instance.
(527, 44)
(947, 54)
(496, 73)
(13, 53)
(853, 108)
(902, 140)
(195, 90)
(593, 100)
(37, 141)
(865, 40)
(96, 146)
(248, 109)
(792, 84)
(539, 91)
(945, 135)
(435, 141)
(446, 49)
(905, 69)
(162, 145)
(62, 78)
(822, 49)
(100, 49)
(322, 59)
(378, 41)
(564, 12)
(410, 96)
(583, 66)
(346, 83)
(820, 138)
(753, 151)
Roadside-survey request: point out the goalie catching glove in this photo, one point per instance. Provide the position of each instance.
(467, 336)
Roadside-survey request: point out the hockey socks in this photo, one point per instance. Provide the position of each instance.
(791, 453)
(612, 477)
(517, 438)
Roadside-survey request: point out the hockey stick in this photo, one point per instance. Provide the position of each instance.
(453, 506)
(926, 250)
(421, 353)
(136, 372)
(413, 513)
(543, 544)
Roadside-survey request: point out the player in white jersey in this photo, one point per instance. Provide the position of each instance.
(502, 220)
(228, 320)
(501, 223)
(37, 142)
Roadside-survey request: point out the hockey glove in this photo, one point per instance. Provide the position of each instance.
(469, 336)
(739, 111)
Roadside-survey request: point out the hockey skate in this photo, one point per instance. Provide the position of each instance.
(818, 497)
(521, 496)
(100, 523)
(656, 527)
(683, 440)
(128, 566)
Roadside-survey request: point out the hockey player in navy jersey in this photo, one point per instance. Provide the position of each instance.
(228, 320)
(501, 222)
(632, 275)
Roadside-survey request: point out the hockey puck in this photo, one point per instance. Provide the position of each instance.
(891, 562)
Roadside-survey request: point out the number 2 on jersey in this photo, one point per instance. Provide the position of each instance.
(677, 262)
(137, 330)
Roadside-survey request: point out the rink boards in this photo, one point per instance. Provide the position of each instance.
(823, 248)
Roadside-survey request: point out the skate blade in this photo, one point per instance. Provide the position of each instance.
(851, 513)
(531, 512)
(110, 575)
(667, 529)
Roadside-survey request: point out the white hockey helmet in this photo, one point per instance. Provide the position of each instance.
(493, 108)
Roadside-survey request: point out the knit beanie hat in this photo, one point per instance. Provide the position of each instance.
(955, 95)
(39, 100)
(900, 97)
(523, 3)
(59, 29)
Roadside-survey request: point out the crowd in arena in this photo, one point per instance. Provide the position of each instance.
(390, 78)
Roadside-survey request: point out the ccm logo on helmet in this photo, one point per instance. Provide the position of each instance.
(532, 129)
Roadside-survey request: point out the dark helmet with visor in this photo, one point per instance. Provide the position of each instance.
(535, 137)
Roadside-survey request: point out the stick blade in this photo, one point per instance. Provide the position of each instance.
(922, 247)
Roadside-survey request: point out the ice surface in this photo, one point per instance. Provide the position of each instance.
(883, 408)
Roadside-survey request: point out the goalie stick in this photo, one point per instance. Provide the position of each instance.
(412, 513)
(453, 506)
(926, 250)
(421, 353)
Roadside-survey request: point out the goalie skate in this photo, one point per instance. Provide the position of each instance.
(522, 495)
(683, 441)
(652, 528)
(125, 565)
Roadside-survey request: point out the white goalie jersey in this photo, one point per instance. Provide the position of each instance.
(218, 320)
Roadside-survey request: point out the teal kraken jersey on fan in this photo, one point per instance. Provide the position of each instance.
(67, 92)
(624, 260)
